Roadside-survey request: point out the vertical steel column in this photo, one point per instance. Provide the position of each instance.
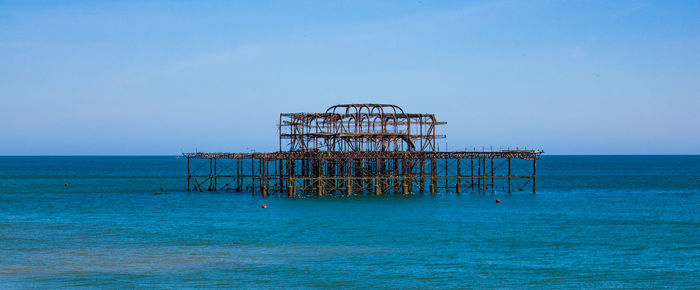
(318, 179)
(478, 174)
(348, 174)
(433, 175)
(252, 174)
(459, 174)
(211, 173)
(280, 185)
(215, 175)
(403, 176)
(483, 175)
(493, 189)
(509, 175)
(369, 163)
(291, 163)
(410, 178)
(377, 178)
(263, 179)
(471, 175)
(534, 174)
(188, 173)
(266, 178)
(239, 179)
(363, 172)
(447, 176)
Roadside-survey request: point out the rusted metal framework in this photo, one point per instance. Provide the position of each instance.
(359, 127)
(361, 148)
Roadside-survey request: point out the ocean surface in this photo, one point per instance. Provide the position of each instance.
(595, 222)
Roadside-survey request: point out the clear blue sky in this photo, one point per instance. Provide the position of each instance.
(569, 77)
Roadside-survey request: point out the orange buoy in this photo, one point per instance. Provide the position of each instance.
(264, 205)
(498, 201)
(65, 184)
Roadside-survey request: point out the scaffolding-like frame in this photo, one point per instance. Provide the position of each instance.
(362, 148)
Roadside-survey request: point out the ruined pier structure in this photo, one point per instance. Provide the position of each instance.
(362, 149)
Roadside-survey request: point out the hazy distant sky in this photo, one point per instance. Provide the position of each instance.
(150, 77)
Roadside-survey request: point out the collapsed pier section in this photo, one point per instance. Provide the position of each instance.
(362, 148)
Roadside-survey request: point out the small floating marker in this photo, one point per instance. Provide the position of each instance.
(264, 205)
(65, 184)
(498, 201)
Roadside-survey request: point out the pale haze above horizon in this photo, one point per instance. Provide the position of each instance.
(165, 77)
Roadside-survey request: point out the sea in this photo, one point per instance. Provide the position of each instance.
(595, 222)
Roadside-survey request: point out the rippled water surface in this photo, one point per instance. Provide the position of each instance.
(596, 221)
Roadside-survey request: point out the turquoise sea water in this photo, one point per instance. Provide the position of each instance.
(596, 221)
